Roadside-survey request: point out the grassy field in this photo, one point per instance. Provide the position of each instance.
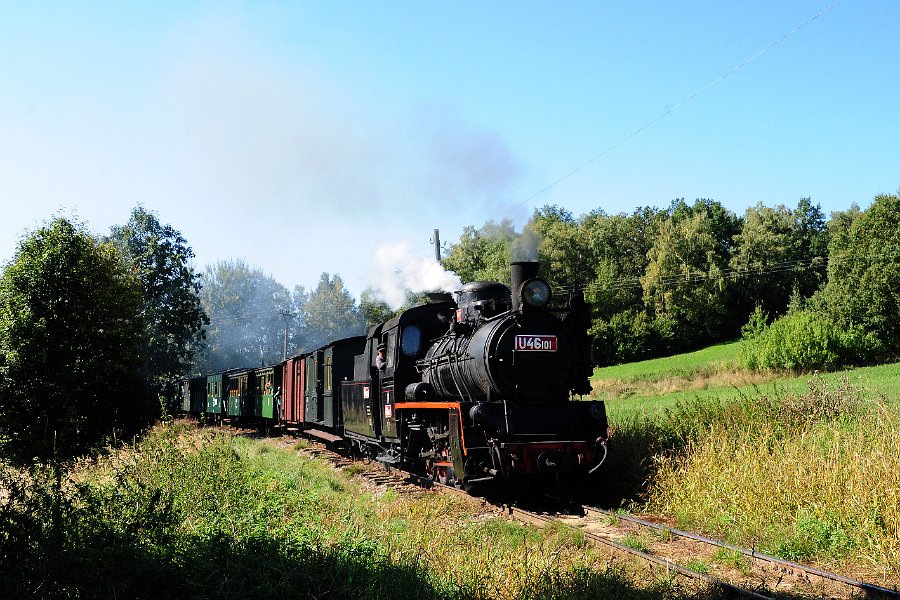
(801, 466)
(201, 513)
(650, 387)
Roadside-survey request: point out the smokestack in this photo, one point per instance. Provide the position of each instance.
(520, 272)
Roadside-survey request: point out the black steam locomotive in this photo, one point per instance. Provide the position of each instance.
(467, 391)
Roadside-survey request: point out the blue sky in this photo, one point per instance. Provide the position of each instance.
(301, 136)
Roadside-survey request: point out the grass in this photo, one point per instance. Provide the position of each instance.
(800, 466)
(698, 566)
(808, 476)
(635, 542)
(199, 514)
(733, 559)
(718, 357)
(649, 388)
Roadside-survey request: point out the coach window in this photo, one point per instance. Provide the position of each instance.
(328, 374)
(411, 340)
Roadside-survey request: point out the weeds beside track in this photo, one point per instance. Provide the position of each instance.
(777, 578)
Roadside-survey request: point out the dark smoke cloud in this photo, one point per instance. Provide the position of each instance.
(470, 163)
(269, 132)
(525, 247)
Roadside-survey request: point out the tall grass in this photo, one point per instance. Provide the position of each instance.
(802, 476)
(200, 514)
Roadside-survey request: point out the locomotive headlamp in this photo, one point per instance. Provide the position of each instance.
(536, 293)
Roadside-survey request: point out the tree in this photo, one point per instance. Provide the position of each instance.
(811, 238)
(684, 280)
(71, 340)
(172, 312)
(482, 254)
(863, 286)
(326, 313)
(722, 223)
(374, 310)
(561, 249)
(617, 247)
(764, 259)
(246, 310)
(778, 252)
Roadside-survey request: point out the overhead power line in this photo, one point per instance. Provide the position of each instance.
(669, 111)
(815, 262)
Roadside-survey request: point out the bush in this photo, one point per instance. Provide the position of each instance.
(633, 335)
(803, 341)
(756, 324)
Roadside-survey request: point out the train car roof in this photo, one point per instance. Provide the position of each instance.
(409, 314)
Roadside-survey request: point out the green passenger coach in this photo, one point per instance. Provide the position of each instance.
(216, 395)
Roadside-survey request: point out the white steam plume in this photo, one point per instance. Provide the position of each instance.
(396, 270)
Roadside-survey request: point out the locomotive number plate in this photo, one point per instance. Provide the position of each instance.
(536, 343)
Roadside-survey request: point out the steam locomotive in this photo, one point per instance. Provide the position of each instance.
(467, 391)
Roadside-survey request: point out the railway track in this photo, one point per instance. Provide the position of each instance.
(767, 577)
(766, 562)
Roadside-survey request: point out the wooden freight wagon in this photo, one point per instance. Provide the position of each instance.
(293, 387)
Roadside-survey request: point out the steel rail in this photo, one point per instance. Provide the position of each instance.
(533, 518)
(870, 588)
(541, 520)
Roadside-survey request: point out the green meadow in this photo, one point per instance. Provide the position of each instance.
(650, 387)
(803, 466)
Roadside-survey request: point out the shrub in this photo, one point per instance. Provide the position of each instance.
(803, 341)
(633, 335)
(756, 324)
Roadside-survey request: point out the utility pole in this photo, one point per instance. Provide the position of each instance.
(437, 245)
(285, 314)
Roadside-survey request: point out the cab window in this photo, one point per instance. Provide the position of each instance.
(411, 340)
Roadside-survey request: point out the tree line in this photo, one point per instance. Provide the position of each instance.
(256, 321)
(663, 281)
(94, 328)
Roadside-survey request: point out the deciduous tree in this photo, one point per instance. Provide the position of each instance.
(172, 312)
(684, 280)
(327, 313)
(245, 308)
(863, 286)
(71, 345)
(482, 254)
